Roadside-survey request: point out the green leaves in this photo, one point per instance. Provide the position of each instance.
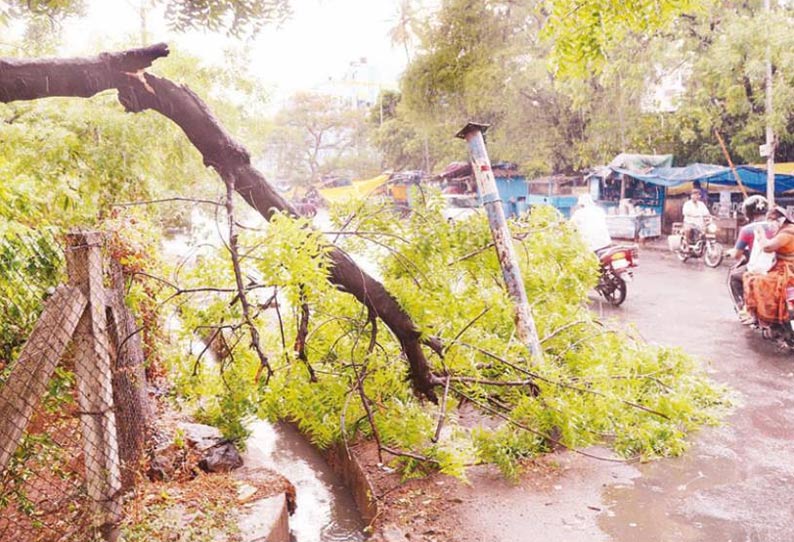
(596, 386)
(585, 33)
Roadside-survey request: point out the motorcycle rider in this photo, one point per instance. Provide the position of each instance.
(765, 294)
(754, 208)
(591, 221)
(695, 213)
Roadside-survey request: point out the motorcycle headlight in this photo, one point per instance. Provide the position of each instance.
(711, 228)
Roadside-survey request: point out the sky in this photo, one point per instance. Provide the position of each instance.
(319, 41)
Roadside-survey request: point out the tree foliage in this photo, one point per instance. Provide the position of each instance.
(597, 385)
(237, 17)
(585, 33)
(725, 91)
(315, 135)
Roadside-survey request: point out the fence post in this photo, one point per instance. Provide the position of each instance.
(94, 386)
(28, 380)
(129, 378)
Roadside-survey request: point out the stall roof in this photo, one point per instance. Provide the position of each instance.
(752, 177)
(457, 170)
(641, 162)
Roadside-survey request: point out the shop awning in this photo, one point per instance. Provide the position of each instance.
(752, 177)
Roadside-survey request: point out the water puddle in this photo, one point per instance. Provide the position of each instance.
(326, 510)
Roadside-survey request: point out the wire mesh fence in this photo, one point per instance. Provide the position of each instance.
(65, 341)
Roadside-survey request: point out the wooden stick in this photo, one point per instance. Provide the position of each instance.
(730, 162)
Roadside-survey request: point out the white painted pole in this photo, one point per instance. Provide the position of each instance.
(503, 241)
(770, 134)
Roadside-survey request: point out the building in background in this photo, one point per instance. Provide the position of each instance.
(665, 90)
(358, 87)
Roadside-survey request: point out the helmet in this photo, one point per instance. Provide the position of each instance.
(754, 206)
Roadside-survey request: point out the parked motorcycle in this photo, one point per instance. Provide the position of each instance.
(705, 246)
(617, 265)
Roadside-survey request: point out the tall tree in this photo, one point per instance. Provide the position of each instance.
(402, 33)
(484, 61)
(317, 134)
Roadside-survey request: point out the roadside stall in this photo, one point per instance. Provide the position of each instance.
(631, 196)
(460, 189)
(650, 199)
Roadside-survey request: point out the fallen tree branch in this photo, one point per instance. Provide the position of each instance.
(542, 435)
(442, 411)
(300, 336)
(561, 329)
(264, 363)
(536, 376)
(30, 79)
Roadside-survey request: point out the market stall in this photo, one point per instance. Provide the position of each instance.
(642, 194)
(634, 206)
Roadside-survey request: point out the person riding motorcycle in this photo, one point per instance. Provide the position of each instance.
(695, 213)
(591, 222)
(755, 209)
(765, 294)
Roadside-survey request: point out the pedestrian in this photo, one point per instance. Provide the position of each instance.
(591, 221)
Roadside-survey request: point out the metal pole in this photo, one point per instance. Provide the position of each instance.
(770, 135)
(503, 241)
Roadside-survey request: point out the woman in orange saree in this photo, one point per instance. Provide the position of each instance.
(765, 295)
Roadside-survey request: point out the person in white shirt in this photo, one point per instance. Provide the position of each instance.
(695, 213)
(591, 221)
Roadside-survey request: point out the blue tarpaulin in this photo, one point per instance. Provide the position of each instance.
(753, 178)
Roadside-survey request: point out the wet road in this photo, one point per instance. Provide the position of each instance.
(736, 483)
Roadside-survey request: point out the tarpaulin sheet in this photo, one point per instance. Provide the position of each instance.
(753, 178)
(641, 162)
(357, 190)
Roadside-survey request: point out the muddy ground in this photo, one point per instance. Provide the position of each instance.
(734, 484)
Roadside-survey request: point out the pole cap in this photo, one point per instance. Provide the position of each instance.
(470, 127)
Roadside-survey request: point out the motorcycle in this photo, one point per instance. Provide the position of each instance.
(617, 265)
(705, 246)
(780, 332)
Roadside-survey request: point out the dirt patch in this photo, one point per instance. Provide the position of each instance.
(548, 499)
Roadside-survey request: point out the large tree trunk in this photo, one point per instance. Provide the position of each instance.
(38, 78)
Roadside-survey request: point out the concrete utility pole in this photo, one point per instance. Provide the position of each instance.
(770, 135)
(503, 241)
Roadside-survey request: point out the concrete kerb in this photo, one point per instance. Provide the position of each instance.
(352, 472)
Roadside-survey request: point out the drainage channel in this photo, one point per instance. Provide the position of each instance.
(326, 511)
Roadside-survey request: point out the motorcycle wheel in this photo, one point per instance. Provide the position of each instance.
(713, 255)
(618, 294)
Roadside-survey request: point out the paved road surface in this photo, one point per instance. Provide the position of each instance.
(735, 484)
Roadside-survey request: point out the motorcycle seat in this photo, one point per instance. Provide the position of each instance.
(611, 249)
